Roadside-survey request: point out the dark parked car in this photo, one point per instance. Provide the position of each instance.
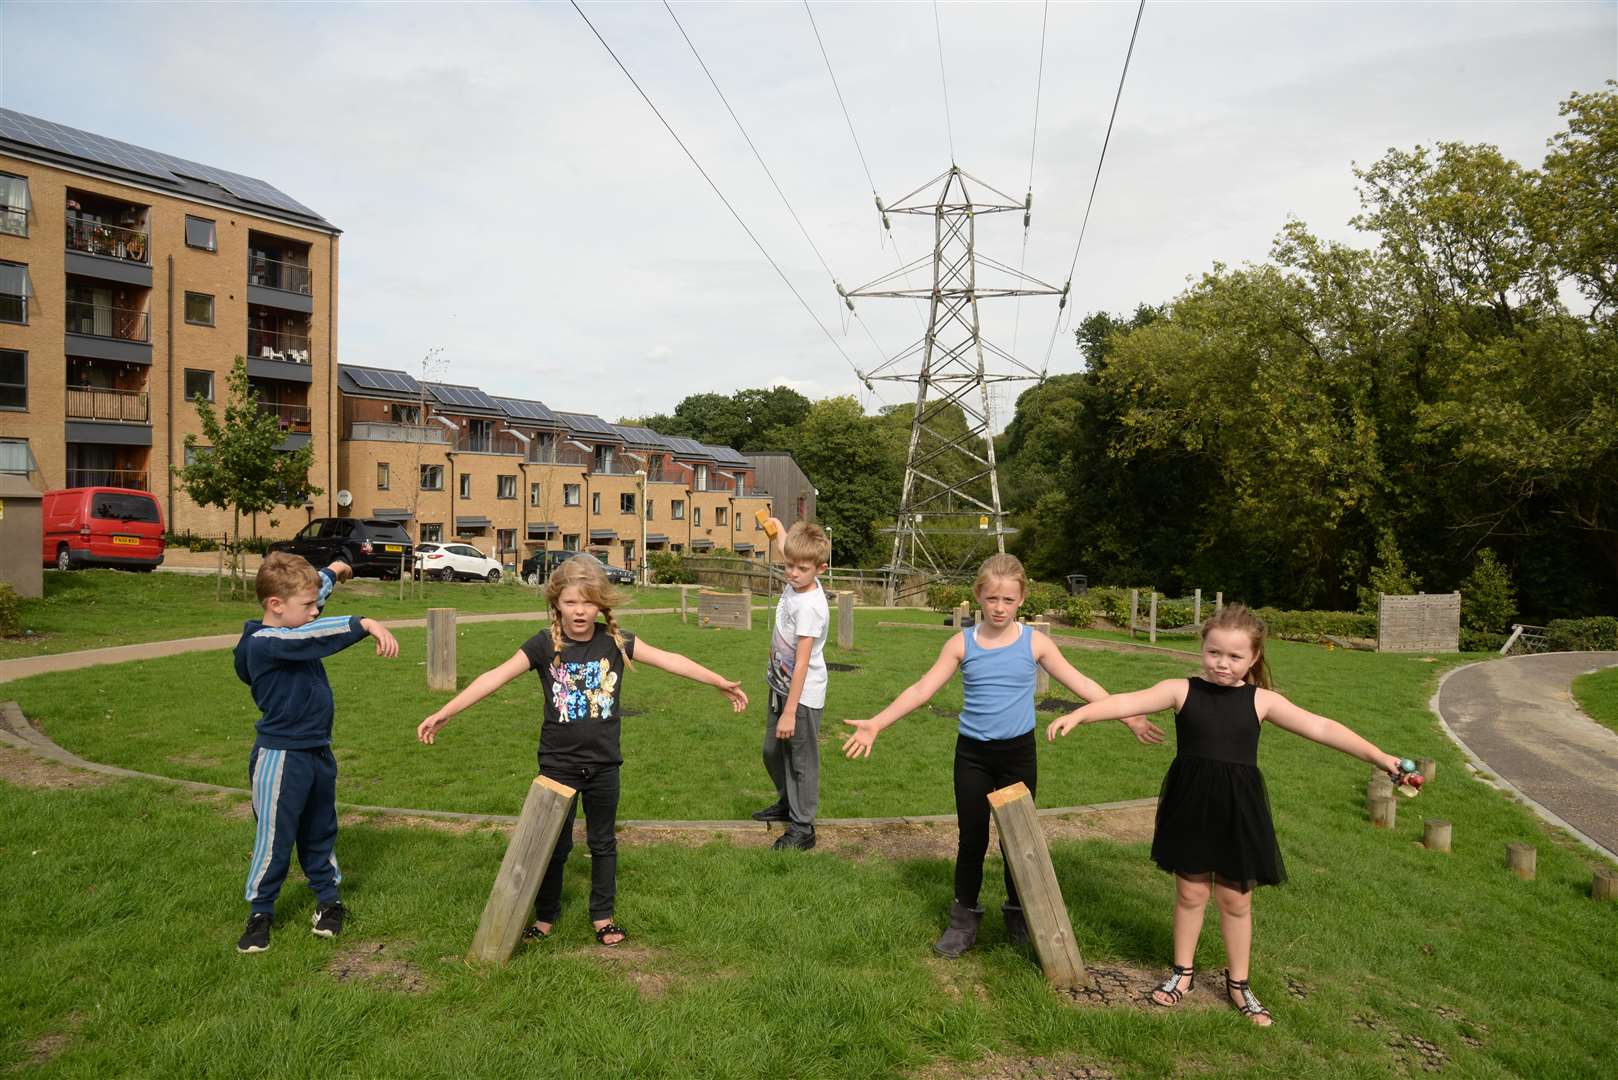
(372, 546)
(534, 575)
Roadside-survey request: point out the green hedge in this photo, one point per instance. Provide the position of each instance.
(10, 614)
(1594, 634)
(1481, 640)
(669, 569)
(1042, 597)
(1316, 626)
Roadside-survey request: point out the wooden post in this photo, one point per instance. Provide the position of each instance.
(962, 610)
(1435, 835)
(1029, 858)
(1154, 617)
(511, 901)
(685, 614)
(219, 582)
(1196, 608)
(845, 619)
(1426, 766)
(441, 648)
(1604, 885)
(1219, 602)
(1521, 860)
(401, 577)
(1134, 609)
(1384, 812)
(1377, 788)
(747, 609)
(1042, 678)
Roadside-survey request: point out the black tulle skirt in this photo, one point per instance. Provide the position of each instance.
(1214, 817)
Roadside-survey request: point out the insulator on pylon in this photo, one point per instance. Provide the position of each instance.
(883, 212)
(1062, 303)
(1028, 208)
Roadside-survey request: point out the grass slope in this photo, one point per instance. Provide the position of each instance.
(1597, 695)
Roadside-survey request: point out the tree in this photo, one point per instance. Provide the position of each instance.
(239, 467)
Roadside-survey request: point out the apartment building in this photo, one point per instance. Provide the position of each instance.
(130, 280)
(512, 476)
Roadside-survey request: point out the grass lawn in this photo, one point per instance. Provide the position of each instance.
(1377, 957)
(1597, 695)
(92, 609)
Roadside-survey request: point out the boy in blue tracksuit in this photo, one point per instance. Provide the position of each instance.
(293, 773)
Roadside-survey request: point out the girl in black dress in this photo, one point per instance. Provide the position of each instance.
(1214, 831)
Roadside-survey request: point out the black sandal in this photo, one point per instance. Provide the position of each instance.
(1249, 1007)
(534, 933)
(611, 928)
(1171, 987)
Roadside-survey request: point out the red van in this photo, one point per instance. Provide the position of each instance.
(102, 526)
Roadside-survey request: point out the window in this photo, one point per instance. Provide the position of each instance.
(382, 476)
(404, 414)
(648, 510)
(595, 502)
(199, 309)
(199, 233)
(570, 495)
(534, 494)
(13, 204)
(15, 289)
(194, 454)
(603, 459)
(13, 379)
(696, 517)
(432, 479)
(570, 541)
(719, 515)
(702, 478)
(505, 539)
(677, 509)
(198, 384)
(505, 487)
(626, 502)
(15, 458)
(677, 548)
(466, 485)
(432, 532)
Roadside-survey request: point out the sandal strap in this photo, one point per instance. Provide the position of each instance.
(610, 928)
(1171, 985)
(1250, 1004)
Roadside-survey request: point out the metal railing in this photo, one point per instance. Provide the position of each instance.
(499, 442)
(98, 320)
(97, 403)
(1526, 639)
(113, 241)
(615, 467)
(380, 431)
(278, 345)
(553, 455)
(274, 274)
(124, 478)
(290, 417)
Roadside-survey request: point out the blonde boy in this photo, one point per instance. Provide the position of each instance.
(797, 679)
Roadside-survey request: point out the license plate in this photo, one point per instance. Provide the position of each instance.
(393, 548)
(126, 539)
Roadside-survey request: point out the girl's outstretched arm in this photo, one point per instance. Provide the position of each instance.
(858, 744)
(1323, 730)
(676, 664)
(478, 689)
(1168, 694)
(1048, 656)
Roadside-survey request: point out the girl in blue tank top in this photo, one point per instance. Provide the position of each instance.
(995, 745)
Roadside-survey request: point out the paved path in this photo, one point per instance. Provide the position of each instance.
(1517, 720)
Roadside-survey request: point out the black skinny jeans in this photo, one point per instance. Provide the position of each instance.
(982, 766)
(597, 789)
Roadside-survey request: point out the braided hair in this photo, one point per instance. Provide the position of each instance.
(589, 578)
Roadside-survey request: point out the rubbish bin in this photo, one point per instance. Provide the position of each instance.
(1077, 585)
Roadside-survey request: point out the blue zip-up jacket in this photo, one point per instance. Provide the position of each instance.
(282, 666)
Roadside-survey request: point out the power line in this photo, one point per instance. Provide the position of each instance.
(949, 124)
(1033, 147)
(840, 100)
(693, 158)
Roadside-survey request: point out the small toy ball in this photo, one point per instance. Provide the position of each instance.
(1406, 765)
(1415, 780)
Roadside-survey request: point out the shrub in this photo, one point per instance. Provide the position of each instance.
(1079, 611)
(10, 612)
(1043, 597)
(669, 569)
(945, 598)
(1111, 603)
(1481, 640)
(1488, 600)
(1317, 626)
(1593, 634)
(1390, 575)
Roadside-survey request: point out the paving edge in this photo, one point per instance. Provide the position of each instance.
(1484, 773)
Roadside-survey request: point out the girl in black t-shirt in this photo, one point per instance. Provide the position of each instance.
(581, 665)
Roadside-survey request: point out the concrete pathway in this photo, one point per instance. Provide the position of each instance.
(1517, 720)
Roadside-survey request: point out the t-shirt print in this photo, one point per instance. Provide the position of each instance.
(583, 691)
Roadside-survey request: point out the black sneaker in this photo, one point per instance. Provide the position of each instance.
(328, 919)
(256, 937)
(795, 839)
(773, 812)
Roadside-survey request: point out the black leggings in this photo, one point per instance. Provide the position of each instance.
(597, 789)
(982, 766)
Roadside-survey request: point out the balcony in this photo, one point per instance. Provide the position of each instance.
(379, 431)
(108, 252)
(279, 354)
(124, 478)
(289, 417)
(118, 406)
(101, 332)
(616, 467)
(278, 283)
(501, 442)
(554, 455)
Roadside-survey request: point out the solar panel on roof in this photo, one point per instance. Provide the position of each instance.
(467, 397)
(526, 409)
(381, 379)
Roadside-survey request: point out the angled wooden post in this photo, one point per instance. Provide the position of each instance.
(1049, 927)
(845, 619)
(440, 648)
(511, 901)
(1042, 678)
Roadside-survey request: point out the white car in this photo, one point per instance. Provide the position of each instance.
(446, 562)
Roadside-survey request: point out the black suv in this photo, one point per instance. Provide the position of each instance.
(537, 568)
(374, 547)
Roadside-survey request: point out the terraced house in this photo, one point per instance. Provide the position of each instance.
(130, 280)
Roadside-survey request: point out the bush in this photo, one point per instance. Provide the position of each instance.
(1594, 634)
(1111, 603)
(669, 569)
(946, 598)
(1317, 626)
(10, 612)
(1481, 640)
(1043, 597)
(1488, 600)
(1390, 575)
(1079, 611)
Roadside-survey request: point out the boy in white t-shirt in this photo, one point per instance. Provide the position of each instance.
(797, 679)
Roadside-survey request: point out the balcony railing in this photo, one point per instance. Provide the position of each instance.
(124, 478)
(278, 345)
(615, 467)
(499, 442)
(558, 455)
(272, 274)
(752, 493)
(379, 431)
(96, 403)
(97, 320)
(290, 417)
(113, 241)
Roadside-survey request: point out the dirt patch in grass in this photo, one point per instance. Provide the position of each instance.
(1008, 1067)
(51, 1044)
(372, 965)
(647, 969)
(1120, 985)
(960, 980)
(457, 826)
(28, 770)
(198, 761)
(232, 806)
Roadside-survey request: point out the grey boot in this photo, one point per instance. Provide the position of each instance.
(963, 930)
(1016, 924)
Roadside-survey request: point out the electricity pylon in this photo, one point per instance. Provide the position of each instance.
(951, 487)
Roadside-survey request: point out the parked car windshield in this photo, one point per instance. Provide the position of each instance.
(124, 507)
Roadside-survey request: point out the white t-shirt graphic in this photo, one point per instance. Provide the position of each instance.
(800, 614)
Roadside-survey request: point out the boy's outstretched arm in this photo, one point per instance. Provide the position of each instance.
(1048, 656)
(1323, 730)
(859, 742)
(676, 664)
(314, 640)
(479, 688)
(386, 643)
(1168, 694)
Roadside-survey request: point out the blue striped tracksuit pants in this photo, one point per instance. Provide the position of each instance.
(294, 801)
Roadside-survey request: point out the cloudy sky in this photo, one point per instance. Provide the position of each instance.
(505, 195)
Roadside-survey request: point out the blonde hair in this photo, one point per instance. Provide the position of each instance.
(283, 574)
(587, 576)
(807, 542)
(1237, 617)
(1001, 566)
